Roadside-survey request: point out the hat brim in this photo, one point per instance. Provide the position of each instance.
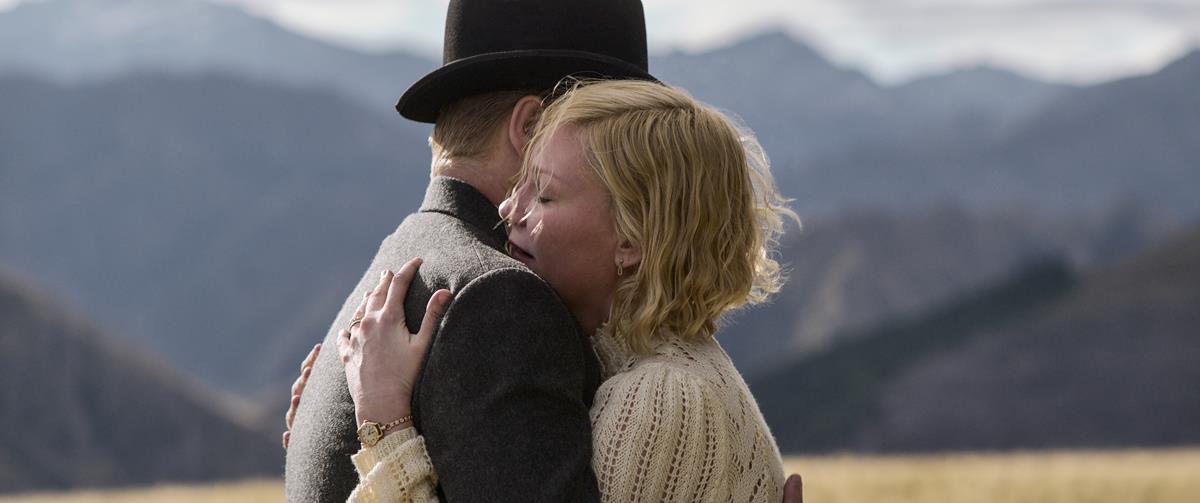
(501, 71)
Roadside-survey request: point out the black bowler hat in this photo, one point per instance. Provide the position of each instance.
(496, 45)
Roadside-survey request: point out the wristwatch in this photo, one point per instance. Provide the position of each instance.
(371, 432)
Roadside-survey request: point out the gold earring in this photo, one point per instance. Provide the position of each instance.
(620, 267)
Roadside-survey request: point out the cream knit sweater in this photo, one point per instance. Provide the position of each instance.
(678, 425)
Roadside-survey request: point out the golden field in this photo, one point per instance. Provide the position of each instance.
(1152, 476)
(1158, 476)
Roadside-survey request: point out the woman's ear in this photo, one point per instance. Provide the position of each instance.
(628, 254)
(520, 123)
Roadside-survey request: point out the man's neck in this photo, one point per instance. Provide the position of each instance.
(491, 181)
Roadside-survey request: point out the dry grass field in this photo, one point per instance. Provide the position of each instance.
(1151, 476)
(254, 491)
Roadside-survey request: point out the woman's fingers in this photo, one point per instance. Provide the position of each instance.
(376, 297)
(433, 313)
(301, 381)
(793, 489)
(305, 370)
(290, 417)
(297, 390)
(343, 343)
(393, 306)
(362, 306)
(311, 358)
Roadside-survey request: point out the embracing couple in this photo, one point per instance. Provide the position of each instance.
(541, 329)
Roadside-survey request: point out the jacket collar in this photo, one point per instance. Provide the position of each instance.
(460, 200)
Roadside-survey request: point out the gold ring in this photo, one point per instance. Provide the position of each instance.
(354, 322)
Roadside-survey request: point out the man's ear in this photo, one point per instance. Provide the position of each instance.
(628, 254)
(520, 124)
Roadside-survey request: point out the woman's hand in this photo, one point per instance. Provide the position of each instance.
(381, 358)
(297, 389)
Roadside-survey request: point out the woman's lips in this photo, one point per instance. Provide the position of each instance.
(519, 253)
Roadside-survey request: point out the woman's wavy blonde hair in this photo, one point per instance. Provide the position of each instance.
(691, 189)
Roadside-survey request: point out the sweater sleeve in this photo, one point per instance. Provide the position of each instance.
(659, 416)
(397, 469)
(643, 420)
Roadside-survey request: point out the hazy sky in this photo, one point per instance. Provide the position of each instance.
(1064, 40)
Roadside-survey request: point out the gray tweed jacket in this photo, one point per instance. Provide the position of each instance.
(504, 396)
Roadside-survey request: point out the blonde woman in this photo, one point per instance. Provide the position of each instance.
(651, 215)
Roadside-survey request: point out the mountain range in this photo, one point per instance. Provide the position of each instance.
(981, 135)
(869, 266)
(199, 198)
(1129, 139)
(1046, 358)
(207, 187)
(75, 41)
(80, 408)
(199, 214)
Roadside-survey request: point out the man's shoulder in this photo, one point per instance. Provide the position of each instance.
(466, 260)
(449, 247)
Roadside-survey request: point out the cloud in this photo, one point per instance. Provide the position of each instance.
(415, 25)
(893, 40)
(1066, 40)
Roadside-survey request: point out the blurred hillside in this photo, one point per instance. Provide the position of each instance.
(198, 214)
(1044, 359)
(207, 186)
(866, 267)
(74, 41)
(80, 409)
(1134, 138)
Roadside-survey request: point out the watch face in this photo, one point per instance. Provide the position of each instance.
(369, 434)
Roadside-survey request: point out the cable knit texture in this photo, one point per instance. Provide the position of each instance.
(397, 469)
(678, 425)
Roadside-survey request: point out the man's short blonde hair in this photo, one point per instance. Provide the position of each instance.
(691, 189)
(465, 128)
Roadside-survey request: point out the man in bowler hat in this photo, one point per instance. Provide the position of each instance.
(503, 399)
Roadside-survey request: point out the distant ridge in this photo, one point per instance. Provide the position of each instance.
(202, 198)
(822, 402)
(196, 214)
(78, 409)
(1041, 360)
(74, 41)
(1112, 364)
(866, 267)
(1081, 150)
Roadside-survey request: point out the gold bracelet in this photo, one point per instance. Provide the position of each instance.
(393, 424)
